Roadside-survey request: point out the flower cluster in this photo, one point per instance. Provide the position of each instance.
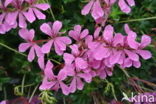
(90, 56)
(16, 12)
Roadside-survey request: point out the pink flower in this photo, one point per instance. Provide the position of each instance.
(98, 12)
(95, 8)
(125, 5)
(77, 35)
(59, 42)
(34, 10)
(28, 36)
(4, 26)
(76, 58)
(52, 81)
(20, 12)
(78, 78)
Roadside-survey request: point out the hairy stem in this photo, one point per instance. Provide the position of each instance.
(11, 49)
(33, 93)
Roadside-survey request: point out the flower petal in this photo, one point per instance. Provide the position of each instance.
(131, 2)
(30, 15)
(144, 54)
(22, 21)
(64, 88)
(97, 11)
(84, 33)
(23, 47)
(47, 47)
(108, 33)
(97, 32)
(11, 17)
(132, 55)
(86, 9)
(42, 6)
(31, 54)
(48, 70)
(81, 63)
(45, 28)
(124, 7)
(79, 83)
(145, 41)
(62, 75)
(39, 14)
(72, 87)
(56, 27)
(69, 58)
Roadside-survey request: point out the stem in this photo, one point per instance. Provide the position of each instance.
(125, 72)
(11, 49)
(64, 100)
(5, 93)
(3, 45)
(22, 88)
(33, 93)
(112, 87)
(55, 61)
(140, 19)
(52, 14)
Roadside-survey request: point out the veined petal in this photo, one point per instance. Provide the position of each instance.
(47, 47)
(39, 14)
(81, 63)
(64, 88)
(124, 7)
(118, 39)
(86, 76)
(38, 50)
(69, 58)
(45, 28)
(144, 54)
(97, 32)
(11, 17)
(84, 33)
(75, 49)
(132, 55)
(79, 84)
(24, 46)
(42, 6)
(131, 2)
(22, 21)
(145, 41)
(136, 64)
(41, 62)
(48, 70)
(97, 11)
(57, 49)
(65, 39)
(108, 33)
(72, 87)
(86, 9)
(31, 54)
(57, 25)
(30, 15)
(46, 85)
(101, 53)
(62, 75)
